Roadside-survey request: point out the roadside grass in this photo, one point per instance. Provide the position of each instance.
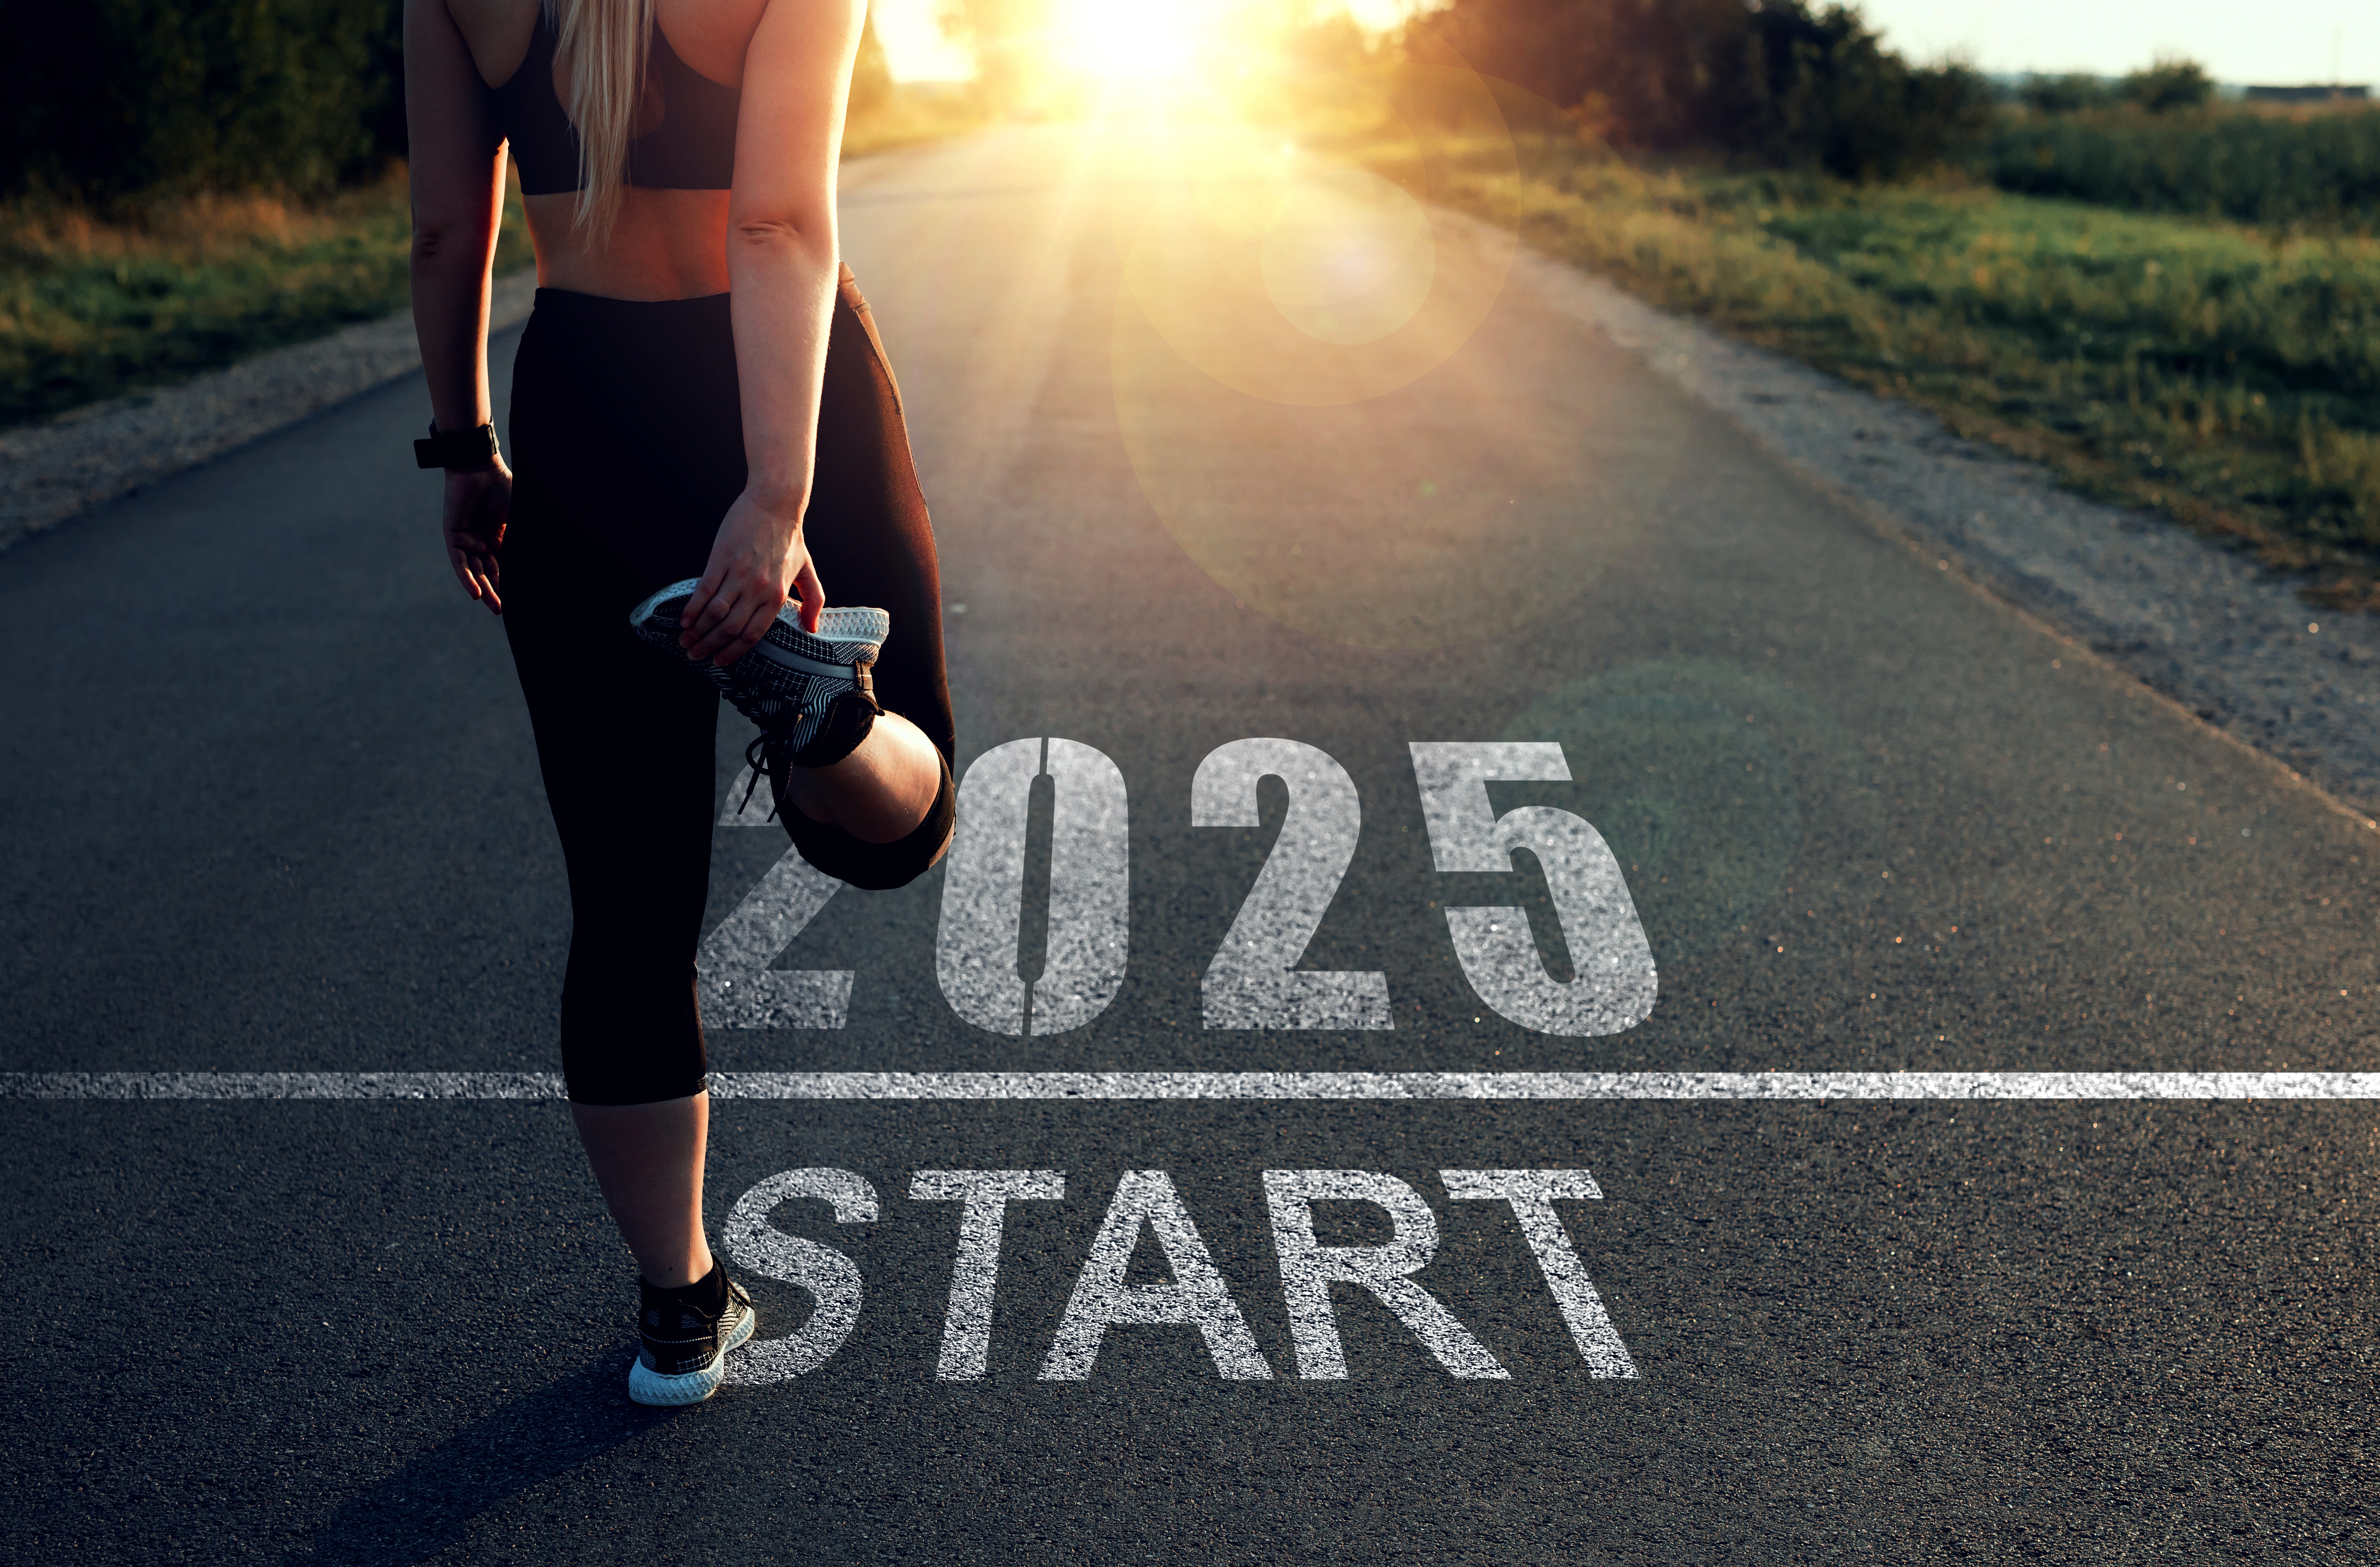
(93, 306)
(2225, 377)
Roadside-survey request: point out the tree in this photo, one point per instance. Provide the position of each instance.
(101, 98)
(2065, 94)
(2172, 82)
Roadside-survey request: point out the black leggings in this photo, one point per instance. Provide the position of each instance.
(628, 433)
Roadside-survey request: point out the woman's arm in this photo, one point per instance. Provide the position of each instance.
(457, 163)
(782, 269)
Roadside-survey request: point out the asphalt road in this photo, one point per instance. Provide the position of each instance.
(271, 805)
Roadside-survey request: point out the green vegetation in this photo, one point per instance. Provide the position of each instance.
(1783, 82)
(2317, 170)
(91, 307)
(2220, 364)
(145, 292)
(2172, 84)
(117, 104)
(2227, 378)
(104, 99)
(184, 183)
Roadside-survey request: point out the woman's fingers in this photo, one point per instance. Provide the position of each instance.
(704, 608)
(812, 592)
(708, 632)
(477, 507)
(711, 643)
(488, 594)
(745, 610)
(703, 611)
(478, 572)
(478, 576)
(734, 636)
(746, 638)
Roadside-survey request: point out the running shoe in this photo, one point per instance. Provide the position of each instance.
(684, 1352)
(811, 693)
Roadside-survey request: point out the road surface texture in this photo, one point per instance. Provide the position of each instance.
(271, 807)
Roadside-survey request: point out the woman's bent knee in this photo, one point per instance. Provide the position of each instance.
(878, 868)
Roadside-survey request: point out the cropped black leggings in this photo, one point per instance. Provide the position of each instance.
(627, 432)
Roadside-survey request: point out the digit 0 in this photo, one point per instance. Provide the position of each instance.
(975, 956)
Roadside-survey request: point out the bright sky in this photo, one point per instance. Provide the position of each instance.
(2275, 41)
(2272, 40)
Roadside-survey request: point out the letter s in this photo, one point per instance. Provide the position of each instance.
(831, 1278)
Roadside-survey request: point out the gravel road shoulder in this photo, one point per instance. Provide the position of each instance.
(63, 468)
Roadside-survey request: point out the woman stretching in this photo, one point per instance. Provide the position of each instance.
(708, 433)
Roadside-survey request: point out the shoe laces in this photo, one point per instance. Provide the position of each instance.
(761, 764)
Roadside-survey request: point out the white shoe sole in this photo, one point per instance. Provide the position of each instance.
(648, 1386)
(845, 623)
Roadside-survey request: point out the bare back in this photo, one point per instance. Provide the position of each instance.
(665, 244)
(765, 82)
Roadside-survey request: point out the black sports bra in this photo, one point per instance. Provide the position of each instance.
(692, 147)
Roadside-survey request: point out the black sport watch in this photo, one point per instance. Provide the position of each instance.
(470, 450)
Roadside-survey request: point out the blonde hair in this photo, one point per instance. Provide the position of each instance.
(605, 42)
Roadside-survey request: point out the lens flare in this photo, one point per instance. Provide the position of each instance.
(1319, 397)
(1347, 257)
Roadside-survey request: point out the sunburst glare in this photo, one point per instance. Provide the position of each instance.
(1131, 40)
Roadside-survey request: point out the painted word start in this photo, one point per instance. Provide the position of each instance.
(1197, 1295)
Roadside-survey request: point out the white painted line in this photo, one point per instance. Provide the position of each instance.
(280, 1086)
(1320, 1085)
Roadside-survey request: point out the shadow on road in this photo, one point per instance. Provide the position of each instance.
(429, 1504)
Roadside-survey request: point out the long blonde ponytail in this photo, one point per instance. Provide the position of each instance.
(604, 41)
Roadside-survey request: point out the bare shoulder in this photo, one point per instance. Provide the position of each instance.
(711, 35)
(497, 31)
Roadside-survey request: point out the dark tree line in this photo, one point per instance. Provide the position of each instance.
(102, 99)
(1778, 80)
(2164, 87)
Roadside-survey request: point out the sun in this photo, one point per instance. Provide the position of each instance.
(1136, 40)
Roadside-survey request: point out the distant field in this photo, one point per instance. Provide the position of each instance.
(2316, 169)
(2227, 377)
(92, 308)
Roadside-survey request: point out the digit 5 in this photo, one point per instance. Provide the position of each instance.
(1615, 984)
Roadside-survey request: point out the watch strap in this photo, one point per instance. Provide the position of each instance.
(456, 448)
